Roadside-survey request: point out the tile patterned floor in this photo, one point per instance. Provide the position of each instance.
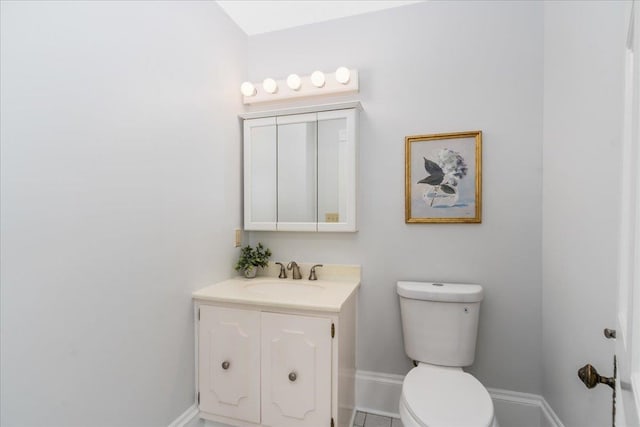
(364, 419)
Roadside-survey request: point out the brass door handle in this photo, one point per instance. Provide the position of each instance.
(590, 377)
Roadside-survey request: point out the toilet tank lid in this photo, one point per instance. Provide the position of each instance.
(437, 291)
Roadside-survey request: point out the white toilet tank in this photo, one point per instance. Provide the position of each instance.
(440, 321)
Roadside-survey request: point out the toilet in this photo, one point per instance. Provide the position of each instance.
(440, 326)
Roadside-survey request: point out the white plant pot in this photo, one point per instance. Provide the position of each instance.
(250, 272)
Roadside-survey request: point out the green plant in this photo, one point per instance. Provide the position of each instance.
(253, 257)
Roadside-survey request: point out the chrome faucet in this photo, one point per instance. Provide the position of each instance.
(283, 272)
(312, 273)
(296, 270)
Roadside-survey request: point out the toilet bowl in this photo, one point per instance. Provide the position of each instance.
(437, 396)
(440, 327)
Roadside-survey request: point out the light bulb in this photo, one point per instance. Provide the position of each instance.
(317, 78)
(293, 81)
(343, 75)
(270, 85)
(248, 89)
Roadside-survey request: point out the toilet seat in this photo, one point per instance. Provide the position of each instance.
(435, 396)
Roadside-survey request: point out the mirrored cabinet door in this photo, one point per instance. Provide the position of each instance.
(297, 196)
(336, 170)
(300, 171)
(260, 172)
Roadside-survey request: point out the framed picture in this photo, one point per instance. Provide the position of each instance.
(443, 177)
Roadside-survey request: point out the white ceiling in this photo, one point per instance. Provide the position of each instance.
(260, 16)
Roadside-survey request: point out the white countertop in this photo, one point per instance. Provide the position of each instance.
(328, 293)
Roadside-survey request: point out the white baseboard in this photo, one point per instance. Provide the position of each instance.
(518, 408)
(379, 393)
(550, 415)
(186, 417)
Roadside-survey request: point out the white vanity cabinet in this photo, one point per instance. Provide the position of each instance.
(229, 355)
(278, 365)
(265, 368)
(296, 370)
(300, 170)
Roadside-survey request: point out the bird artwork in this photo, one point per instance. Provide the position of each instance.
(436, 176)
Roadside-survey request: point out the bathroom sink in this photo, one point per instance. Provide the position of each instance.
(329, 293)
(289, 288)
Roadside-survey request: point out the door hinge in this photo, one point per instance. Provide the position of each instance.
(333, 330)
(198, 313)
(198, 398)
(332, 424)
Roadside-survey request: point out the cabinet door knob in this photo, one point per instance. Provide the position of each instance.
(292, 376)
(225, 365)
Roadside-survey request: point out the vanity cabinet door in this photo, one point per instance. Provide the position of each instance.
(296, 371)
(229, 362)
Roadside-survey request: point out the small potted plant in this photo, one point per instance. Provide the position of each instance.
(252, 258)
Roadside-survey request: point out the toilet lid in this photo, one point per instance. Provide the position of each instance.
(441, 397)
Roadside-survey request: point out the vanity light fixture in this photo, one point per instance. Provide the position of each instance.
(294, 82)
(343, 75)
(270, 85)
(248, 89)
(317, 79)
(343, 81)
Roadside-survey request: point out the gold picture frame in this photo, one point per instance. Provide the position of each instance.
(443, 178)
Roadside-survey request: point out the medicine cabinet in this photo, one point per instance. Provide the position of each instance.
(300, 170)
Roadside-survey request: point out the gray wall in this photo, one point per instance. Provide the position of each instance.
(120, 190)
(429, 68)
(583, 76)
(120, 187)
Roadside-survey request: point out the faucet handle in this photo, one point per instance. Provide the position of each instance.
(283, 272)
(312, 273)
